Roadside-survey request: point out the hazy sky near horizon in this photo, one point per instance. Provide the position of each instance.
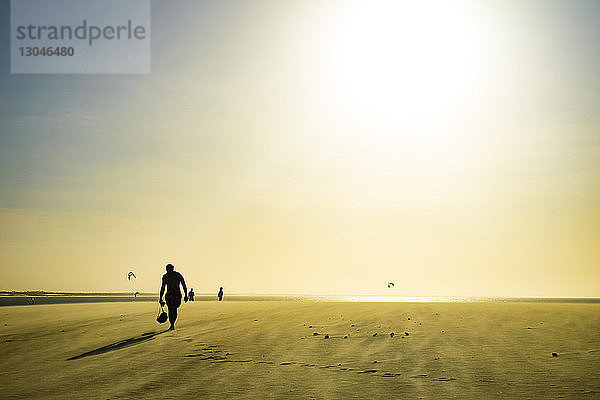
(316, 147)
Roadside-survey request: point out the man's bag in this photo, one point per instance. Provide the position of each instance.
(162, 316)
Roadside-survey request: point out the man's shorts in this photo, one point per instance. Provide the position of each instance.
(173, 299)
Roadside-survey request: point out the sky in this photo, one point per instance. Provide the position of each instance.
(309, 147)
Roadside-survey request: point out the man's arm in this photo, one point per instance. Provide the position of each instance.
(185, 297)
(162, 292)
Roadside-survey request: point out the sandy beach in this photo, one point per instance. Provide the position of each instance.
(279, 349)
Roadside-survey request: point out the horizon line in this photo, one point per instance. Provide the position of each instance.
(316, 295)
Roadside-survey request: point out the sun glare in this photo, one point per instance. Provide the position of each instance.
(407, 59)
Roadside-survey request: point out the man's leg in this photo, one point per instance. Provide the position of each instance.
(172, 316)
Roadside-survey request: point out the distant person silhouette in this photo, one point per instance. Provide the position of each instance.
(191, 294)
(172, 280)
(220, 295)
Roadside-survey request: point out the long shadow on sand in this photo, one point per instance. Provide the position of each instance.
(144, 337)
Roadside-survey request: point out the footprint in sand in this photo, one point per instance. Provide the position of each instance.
(195, 355)
(390, 375)
(206, 357)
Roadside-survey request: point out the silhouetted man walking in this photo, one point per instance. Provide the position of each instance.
(172, 280)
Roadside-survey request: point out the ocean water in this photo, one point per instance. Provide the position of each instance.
(22, 300)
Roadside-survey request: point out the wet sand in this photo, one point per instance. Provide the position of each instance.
(279, 349)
